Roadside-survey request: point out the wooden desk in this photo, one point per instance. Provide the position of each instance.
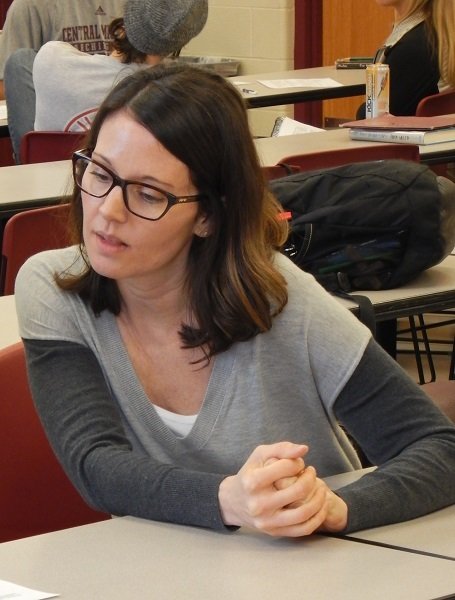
(273, 149)
(132, 558)
(352, 80)
(25, 186)
(9, 329)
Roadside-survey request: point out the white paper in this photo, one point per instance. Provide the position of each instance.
(3, 111)
(11, 591)
(324, 82)
(289, 126)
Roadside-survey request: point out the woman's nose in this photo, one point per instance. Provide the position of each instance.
(113, 205)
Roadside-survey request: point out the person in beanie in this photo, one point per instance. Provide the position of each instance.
(70, 85)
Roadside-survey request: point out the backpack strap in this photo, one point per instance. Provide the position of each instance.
(365, 309)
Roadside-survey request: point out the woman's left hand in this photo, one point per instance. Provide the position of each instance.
(321, 509)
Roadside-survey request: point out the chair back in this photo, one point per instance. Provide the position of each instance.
(46, 146)
(27, 233)
(36, 496)
(342, 156)
(437, 104)
(279, 170)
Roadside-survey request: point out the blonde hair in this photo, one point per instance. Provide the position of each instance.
(440, 18)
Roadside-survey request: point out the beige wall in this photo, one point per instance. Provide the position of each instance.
(258, 33)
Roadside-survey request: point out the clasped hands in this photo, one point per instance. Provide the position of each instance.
(276, 493)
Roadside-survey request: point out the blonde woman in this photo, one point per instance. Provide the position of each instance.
(420, 51)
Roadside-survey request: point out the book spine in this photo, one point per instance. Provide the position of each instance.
(352, 65)
(400, 137)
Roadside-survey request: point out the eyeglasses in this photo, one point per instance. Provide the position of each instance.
(143, 200)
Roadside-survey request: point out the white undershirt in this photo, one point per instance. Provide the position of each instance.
(181, 425)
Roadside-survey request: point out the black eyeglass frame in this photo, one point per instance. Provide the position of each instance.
(172, 200)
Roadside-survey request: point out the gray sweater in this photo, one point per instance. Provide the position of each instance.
(314, 376)
(32, 23)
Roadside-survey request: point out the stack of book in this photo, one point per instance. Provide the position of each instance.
(404, 130)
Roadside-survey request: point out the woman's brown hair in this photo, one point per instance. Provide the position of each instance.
(233, 286)
(121, 44)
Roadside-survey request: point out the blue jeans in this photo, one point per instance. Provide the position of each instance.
(20, 96)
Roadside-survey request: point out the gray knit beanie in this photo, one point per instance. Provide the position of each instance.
(162, 27)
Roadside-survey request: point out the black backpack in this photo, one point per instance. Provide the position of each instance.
(368, 226)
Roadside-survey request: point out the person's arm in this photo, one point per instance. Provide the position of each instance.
(86, 433)
(26, 26)
(400, 429)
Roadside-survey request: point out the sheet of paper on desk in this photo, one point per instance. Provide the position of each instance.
(3, 111)
(11, 590)
(324, 82)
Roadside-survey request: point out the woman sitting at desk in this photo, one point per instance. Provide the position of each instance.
(420, 52)
(183, 368)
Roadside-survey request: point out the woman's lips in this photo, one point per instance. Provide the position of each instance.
(109, 241)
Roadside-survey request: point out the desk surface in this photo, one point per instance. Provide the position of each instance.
(4, 131)
(273, 149)
(22, 186)
(432, 290)
(433, 534)
(9, 331)
(131, 558)
(352, 84)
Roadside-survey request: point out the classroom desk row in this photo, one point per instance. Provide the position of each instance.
(318, 85)
(133, 558)
(432, 291)
(25, 186)
(299, 85)
(272, 149)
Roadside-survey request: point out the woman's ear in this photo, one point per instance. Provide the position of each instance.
(203, 227)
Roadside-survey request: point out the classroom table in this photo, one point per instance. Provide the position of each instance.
(133, 558)
(4, 131)
(259, 95)
(432, 534)
(432, 291)
(272, 150)
(9, 329)
(26, 186)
